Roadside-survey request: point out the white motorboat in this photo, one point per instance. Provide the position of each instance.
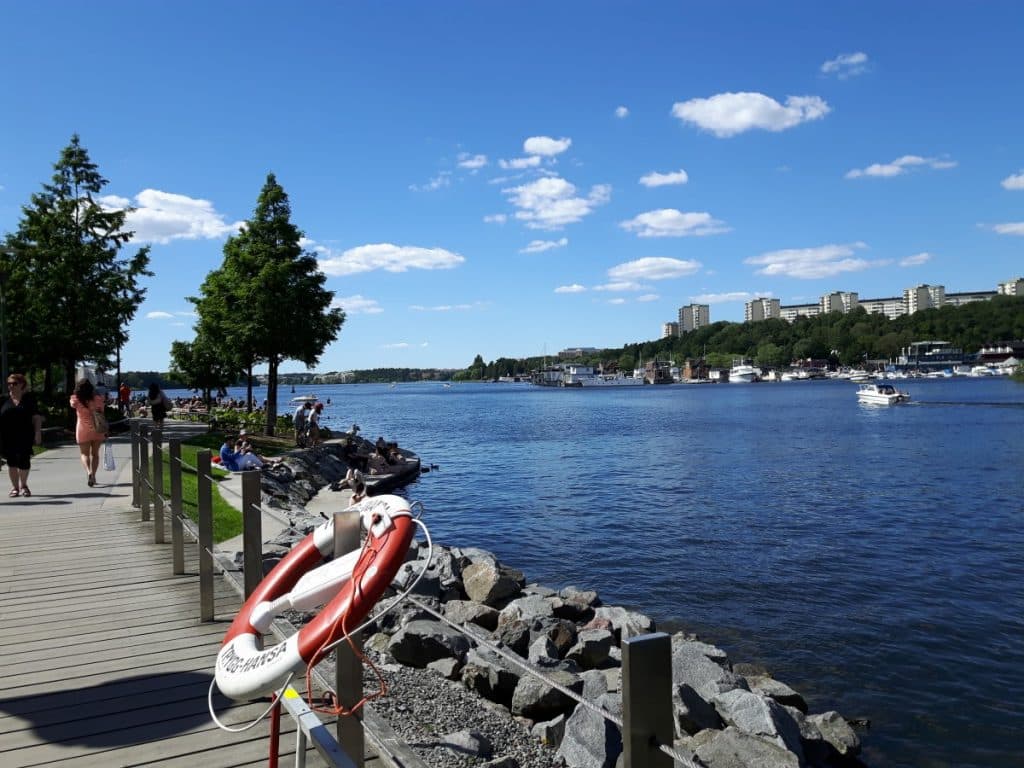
(881, 394)
(742, 373)
(303, 398)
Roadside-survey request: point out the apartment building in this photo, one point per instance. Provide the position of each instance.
(1013, 287)
(693, 316)
(793, 311)
(924, 296)
(840, 301)
(761, 308)
(891, 306)
(668, 330)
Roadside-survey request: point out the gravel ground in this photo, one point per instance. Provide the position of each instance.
(423, 707)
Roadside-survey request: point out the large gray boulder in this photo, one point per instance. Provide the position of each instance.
(468, 612)
(467, 743)
(732, 748)
(779, 691)
(491, 584)
(420, 642)
(591, 740)
(591, 648)
(539, 700)
(625, 624)
(692, 712)
(487, 675)
(692, 666)
(760, 716)
(528, 609)
(836, 731)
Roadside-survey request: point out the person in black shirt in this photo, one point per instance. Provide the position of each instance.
(21, 425)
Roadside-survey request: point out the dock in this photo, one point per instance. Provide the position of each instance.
(104, 660)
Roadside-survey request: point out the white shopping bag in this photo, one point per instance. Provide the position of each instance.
(108, 456)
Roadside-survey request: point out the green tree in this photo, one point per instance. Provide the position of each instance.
(198, 365)
(267, 303)
(78, 293)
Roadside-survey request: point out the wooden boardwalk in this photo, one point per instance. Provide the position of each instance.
(103, 659)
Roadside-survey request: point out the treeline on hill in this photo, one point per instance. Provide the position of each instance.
(843, 339)
(386, 375)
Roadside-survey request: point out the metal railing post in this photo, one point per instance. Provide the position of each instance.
(252, 531)
(144, 473)
(204, 493)
(647, 700)
(177, 530)
(158, 487)
(135, 462)
(348, 667)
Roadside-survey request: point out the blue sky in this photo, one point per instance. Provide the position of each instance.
(509, 179)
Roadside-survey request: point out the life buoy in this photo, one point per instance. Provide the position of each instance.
(244, 669)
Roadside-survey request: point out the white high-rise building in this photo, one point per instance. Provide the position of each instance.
(840, 301)
(694, 316)
(1013, 287)
(668, 330)
(924, 297)
(761, 308)
(892, 307)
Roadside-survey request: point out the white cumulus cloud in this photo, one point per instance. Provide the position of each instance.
(539, 246)
(727, 114)
(390, 258)
(472, 162)
(546, 146)
(725, 298)
(160, 217)
(811, 263)
(574, 288)
(916, 260)
(442, 180)
(159, 316)
(495, 218)
(621, 112)
(519, 163)
(668, 222)
(1010, 228)
(653, 268)
(1014, 181)
(655, 179)
(621, 285)
(648, 297)
(357, 305)
(899, 166)
(846, 65)
(444, 307)
(552, 202)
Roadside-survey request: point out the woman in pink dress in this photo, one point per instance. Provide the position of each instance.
(85, 401)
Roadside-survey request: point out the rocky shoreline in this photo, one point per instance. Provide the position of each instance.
(457, 702)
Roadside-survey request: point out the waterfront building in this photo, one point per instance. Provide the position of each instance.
(1013, 287)
(839, 301)
(694, 316)
(793, 311)
(761, 308)
(930, 355)
(668, 330)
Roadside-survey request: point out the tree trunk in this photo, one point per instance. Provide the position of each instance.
(271, 412)
(248, 388)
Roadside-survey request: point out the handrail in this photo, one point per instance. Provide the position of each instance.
(647, 721)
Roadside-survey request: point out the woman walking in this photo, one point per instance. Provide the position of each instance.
(86, 403)
(20, 426)
(158, 405)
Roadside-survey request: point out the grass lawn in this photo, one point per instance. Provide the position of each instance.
(227, 521)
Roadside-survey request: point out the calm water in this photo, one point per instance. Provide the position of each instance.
(872, 558)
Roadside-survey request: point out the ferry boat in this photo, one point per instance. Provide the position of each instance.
(881, 394)
(741, 373)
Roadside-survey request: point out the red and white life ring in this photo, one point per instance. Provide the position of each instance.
(244, 669)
